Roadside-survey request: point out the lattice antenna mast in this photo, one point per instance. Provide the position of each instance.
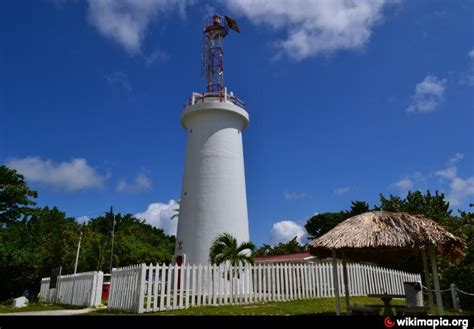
(216, 28)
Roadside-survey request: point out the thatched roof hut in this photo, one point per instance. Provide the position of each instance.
(386, 235)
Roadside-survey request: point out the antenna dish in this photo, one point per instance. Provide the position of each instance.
(232, 23)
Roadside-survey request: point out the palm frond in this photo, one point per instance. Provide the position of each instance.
(225, 248)
(247, 245)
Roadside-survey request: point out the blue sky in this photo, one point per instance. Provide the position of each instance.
(347, 99)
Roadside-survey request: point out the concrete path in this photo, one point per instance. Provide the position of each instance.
(53, 312)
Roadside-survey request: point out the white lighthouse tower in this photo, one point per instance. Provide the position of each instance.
(213, 196)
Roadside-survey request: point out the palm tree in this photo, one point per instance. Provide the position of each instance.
(226, 249)
(176, 210)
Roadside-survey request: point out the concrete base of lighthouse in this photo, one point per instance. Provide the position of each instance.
(213, 196)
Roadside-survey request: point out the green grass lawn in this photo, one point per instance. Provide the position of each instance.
(33, 307)
(320, 306)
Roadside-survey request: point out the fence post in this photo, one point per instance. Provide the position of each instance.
(454, 295)
(427, 279)
(97, 288)
(188, 281)
(193, 284)
(163, 284)
(175, 286)
(156, 271)
(335, 280)
(182, 285)
(141, 286)
(231, 284)
(439, 300)
(346, 282)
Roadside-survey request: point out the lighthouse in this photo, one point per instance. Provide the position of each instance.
(213, 195)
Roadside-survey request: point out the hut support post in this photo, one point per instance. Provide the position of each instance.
(427, 279)
(346, 282)
(434, 268)
(336, 282)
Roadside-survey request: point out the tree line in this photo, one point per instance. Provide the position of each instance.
(34, 240)
(430, 205)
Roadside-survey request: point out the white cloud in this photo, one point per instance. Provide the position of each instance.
(156, 56)
(460, 189)
(296, 196)
(120, 79)
(286, 230)
(342, 190)
(471, 54)
(82, 219)
(209, 9)
(467, 78)
(159, 215)
(315, 26)
(448, 173)
(122, 185)
(428, 94)
(141, 183)
(404, 185)
(456, 158)
(126, 21)
(73, 175)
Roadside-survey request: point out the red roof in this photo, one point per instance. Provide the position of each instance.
(284, 258)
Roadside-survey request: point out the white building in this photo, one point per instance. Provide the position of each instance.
(213, 197)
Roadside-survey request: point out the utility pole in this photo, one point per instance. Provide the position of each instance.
(113, 234)
(78, 249)
(75, 266)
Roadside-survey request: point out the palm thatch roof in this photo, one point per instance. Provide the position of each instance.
(386, 235)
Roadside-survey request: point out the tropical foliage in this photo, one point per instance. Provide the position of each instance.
(34, 240)
(15, 195)
(225, 248)
(433, 206)
(282, 248)
(321, 223)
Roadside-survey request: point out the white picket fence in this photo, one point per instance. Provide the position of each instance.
(150, 288)
(82, 289)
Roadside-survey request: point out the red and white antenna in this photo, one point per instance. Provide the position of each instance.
(216, 28)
